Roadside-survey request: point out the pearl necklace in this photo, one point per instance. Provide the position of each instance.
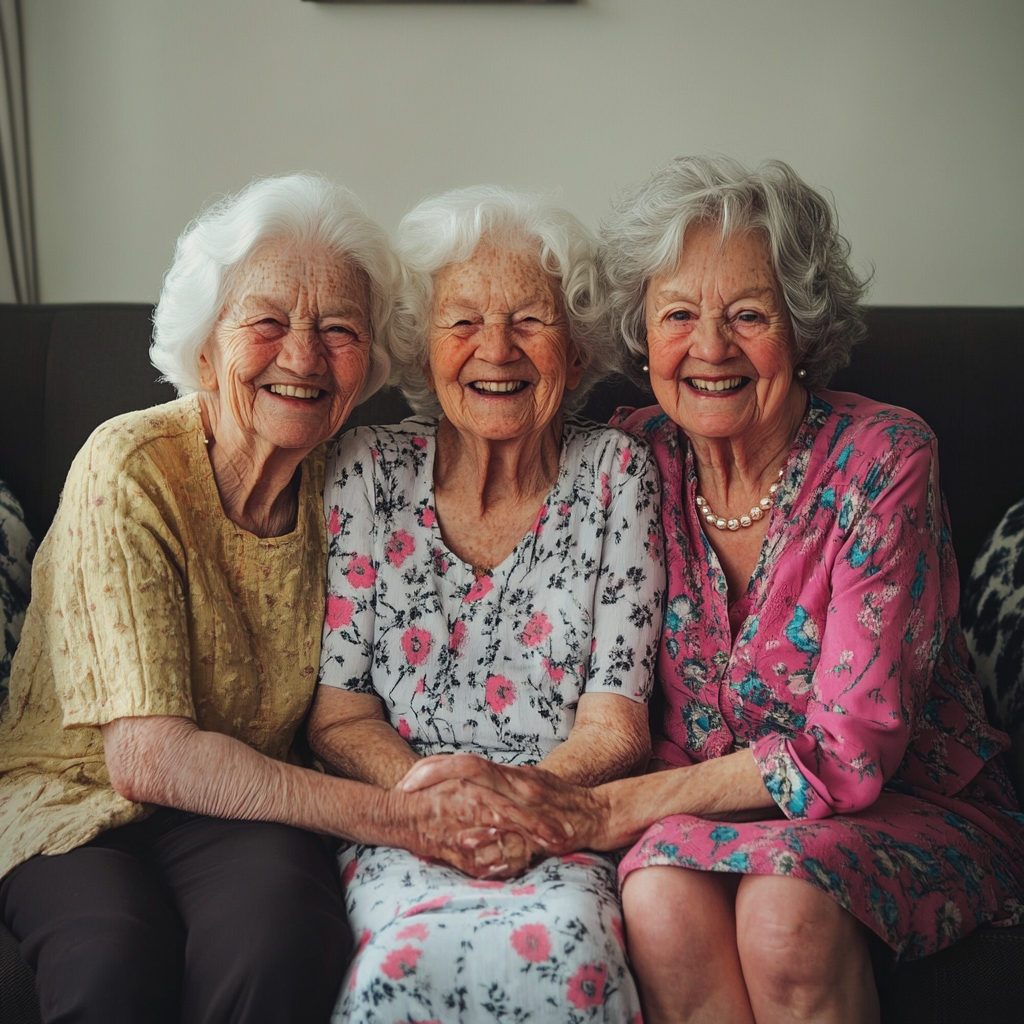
(757, 512)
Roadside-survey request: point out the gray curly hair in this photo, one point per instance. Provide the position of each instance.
(446, 229)
(643, 237)
(305, 209)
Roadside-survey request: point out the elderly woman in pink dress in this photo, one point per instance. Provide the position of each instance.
(824, 770)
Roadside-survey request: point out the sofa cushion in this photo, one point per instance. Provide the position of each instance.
(993, 618)
(16, 550)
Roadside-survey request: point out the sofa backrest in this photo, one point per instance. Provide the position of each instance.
(68, 368)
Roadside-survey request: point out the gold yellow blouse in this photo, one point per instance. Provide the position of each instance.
(148, 600)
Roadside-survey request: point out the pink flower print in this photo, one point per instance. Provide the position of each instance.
(426, 516)
(624, 459)
(420, 442)
(487, 885)
(364, 941)
(536, 629)
(556, 674)
(524, 890)
(489, 913)
(374, 454)
(457, 640)
(400, 962)
(334, 522)
(339, 611)
(421, 685)
(416, 931)
(606, 491)
(427, 905)
(564, 509)
(349, 873)
(500, 693)
(404, 731)
(538, 523)
(586, 986)
(416, 643)
(399, 547)
(481, 588)
(617, 931)
(533, 943)
(360, 573)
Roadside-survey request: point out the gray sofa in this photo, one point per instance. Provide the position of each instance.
(68, 368)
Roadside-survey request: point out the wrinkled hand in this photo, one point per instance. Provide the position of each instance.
(474, 828)
(556, 816)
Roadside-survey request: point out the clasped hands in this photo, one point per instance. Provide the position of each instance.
(493, 821)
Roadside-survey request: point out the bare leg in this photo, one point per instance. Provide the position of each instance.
(804, 958)
(681, 932)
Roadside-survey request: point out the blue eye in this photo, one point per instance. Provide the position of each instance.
(679, 314)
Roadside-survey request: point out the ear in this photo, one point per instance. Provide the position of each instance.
(573, 367)
(207, 374)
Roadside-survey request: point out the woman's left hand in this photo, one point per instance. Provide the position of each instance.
(562, 808)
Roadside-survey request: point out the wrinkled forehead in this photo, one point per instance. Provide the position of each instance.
(498, 270)
(291, 274)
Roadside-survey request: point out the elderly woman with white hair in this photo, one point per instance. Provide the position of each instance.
(157, 836)
(823, 771)
(495, 585)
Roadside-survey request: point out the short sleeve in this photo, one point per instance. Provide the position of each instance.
(631, 585)
(346, 654)
(120, 637)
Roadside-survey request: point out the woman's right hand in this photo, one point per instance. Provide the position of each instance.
(553, 815)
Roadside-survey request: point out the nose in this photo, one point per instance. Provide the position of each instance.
(711, 341)
(301, 351)
(497, 344)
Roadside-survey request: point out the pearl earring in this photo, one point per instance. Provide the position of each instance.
(801, 373)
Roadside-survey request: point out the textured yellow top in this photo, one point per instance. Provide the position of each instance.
(148, 600)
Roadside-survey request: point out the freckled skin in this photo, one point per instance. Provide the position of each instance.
(294, 317)
(499, 316)
(720, 314)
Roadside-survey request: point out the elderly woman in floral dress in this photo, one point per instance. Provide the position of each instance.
(826, 770)
(495, 586)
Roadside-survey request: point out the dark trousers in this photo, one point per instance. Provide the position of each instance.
(183, 918)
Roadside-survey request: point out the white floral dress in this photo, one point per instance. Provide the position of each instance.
(494, 666)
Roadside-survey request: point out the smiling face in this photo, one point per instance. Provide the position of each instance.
(500, 352)
(290, 352)
(719, 340)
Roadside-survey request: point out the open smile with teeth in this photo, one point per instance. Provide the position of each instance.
(290, 391)
(727, 384)
(498, 387)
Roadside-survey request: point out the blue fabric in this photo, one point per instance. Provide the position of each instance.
(16, 550)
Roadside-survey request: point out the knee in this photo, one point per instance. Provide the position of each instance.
(794, 940)
(672, 909)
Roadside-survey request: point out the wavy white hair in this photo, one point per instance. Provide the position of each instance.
(447, 229)
(305, 210)
(643, 236)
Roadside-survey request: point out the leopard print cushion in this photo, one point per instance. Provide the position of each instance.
(16, 550)
(993, 614)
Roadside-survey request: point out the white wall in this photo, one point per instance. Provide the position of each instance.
(910, 111)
